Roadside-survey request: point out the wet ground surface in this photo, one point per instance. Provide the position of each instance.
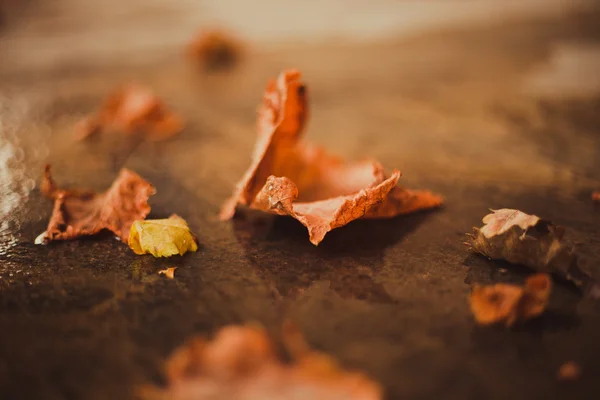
(460, 112)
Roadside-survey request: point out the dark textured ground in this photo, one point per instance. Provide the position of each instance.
(455, 111)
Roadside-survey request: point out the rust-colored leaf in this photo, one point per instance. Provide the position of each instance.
(569, 371)
(241, 363)
(290, 177)
(214, 49)
(83, 212)
(132, 109)
(510, 303)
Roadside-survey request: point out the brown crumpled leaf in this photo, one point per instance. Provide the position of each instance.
(215, 49)
(510, 303)
(83, 212)
(132, 109)
(241, 363)
(525, 239)
(290, 177)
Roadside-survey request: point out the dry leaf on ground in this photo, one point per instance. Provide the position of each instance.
(162, 237)
(215, 49)
(132, 109)
(82, 212)
(569, 371)
(290, 177)
(169, 272)
(511, 303)
(241, 363)
(525, 239)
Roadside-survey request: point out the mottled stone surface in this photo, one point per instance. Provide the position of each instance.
(490, 117)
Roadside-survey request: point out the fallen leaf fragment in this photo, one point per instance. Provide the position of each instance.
(169, 272)
(132, 109)
(525, 239)
(79, 213)
(511, 303)
(569, 371)
(290, 177)
(215, 49)
(162, 237)
(241, 363)
(596, 196)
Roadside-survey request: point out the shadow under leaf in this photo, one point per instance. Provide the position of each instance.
(349, 257)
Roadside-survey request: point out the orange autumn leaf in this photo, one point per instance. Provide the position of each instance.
(241, 363)
(132, 109)
(569, 371)
(511, 303)
(83, 212)
(288, 176)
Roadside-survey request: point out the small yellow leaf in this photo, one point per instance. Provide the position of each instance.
(162, 237)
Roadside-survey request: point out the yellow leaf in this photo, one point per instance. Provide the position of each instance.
(162, 237)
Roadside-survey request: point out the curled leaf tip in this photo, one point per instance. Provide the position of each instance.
(41, 238)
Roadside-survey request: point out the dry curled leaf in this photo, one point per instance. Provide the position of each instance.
(525, 239)
(241, 363)
(569, 371)
(162, 237)
(215, 49)
(132, 109)
(290, 177)
(169, 272)
(510, 303)
(83, 212)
